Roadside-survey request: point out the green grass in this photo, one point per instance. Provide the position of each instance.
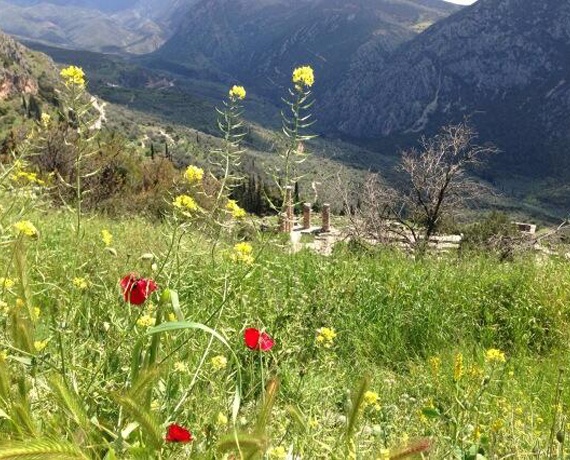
(401, 322)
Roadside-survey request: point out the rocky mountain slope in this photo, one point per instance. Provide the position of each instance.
(258, 42)
(122, 26)
(504, 63)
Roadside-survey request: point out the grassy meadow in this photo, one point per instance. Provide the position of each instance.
(196, 335)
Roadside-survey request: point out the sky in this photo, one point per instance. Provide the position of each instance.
(462, 2)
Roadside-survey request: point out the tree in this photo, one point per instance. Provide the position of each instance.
(434, 181)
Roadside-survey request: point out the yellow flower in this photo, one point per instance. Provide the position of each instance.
(186, 203)
(371, 398)
(7, 283)
(384, 454)
(304, 76)
(106, 237)
(221, 419)
(181, 367)
(242, 253)
(37, 312)
(235, 210)
(237, 92)
(219, 362)
(80, 283)
(435, 364)
(146, 321)
(26, 227)
(3, 356)
(73, 75)
(493, 355)
(45, 119)
(325, 336)
(171, 317)
(277, 452)
(458, 367)
(193, 174)
(155, 405)
(39, 345)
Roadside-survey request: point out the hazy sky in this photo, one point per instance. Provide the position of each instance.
(462, 2)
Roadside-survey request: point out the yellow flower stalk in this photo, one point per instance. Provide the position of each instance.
(233, 208)
(243, 253)
(73, 76)
(325, 337)
(106, 237)
(194, 174)
(304, 76)
(185, 203)
(26, 227)
(493, 355)
(237, 92)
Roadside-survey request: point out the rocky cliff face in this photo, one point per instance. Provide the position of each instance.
(504, 63)
(16, 74)
(258, 42)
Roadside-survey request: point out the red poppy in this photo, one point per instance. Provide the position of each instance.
(136, 290)
(177, 433)
(257, 340)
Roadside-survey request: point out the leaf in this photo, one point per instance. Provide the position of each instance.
(430, 412)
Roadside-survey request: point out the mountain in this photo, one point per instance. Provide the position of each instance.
(27, 81)
(122, 26)
(503, 63)
(258, 42)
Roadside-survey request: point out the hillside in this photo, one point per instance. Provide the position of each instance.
(503, 63)
(259, 42)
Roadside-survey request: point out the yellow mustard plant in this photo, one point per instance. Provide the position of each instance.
(7, 283)
(304, 76)
(26, 227)
(234, 209)
(106, 237)
(221, 420)
(371, 398)
(80, 283)
(73, 76)
(40, 345)
(45, 119)
(494, 356)
(325, 337)
(435, 364)
(278, 453)
(219, 362)
(458, 367)
(243, 253)
(185, 203)
(171, 317)
(194, 174)
(146, 321)
(237, 92)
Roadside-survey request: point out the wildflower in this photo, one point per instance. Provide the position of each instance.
(73, 76)
(7, 283)
(235, 210)
(458, 367)
(221, 419)
(193, 174)
(277, 453)
(177, 433)
(186, 203)
(154, 405)
(493, 355)
(135, 289)
(219, 362)
(80, 283)
(371, 398)
(325, 336)
(106, 237)
(242, 253)
(39, 345)
(171, 317)
(237, 92)
(181, 367)
(303, 76)
(37, 312)
(435, 364)
(257, 340)
(146, 321)
(45, 119)
(26, 227)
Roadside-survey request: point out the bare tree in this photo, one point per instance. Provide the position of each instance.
(434, 182)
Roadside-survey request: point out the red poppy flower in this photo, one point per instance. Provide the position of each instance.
(257, 340)
(177, 433)
(136, 290)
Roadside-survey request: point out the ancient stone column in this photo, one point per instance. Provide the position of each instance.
(326, 217)
(306, 216)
